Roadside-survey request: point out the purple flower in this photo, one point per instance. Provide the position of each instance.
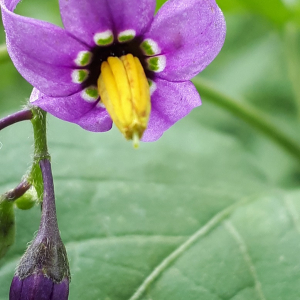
(69, 68)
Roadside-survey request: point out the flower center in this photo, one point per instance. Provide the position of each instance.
(124, 90)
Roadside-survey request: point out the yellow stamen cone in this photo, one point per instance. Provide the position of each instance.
(124, 90)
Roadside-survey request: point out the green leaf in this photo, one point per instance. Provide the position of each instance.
(122, 212)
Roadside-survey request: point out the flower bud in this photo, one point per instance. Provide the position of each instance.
(43, 272)
(38, 287)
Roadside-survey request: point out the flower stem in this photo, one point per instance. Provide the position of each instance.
(40, 149)
(19, 116)
(18, 191)
(4, 57)
(250, 115)
(49, 220)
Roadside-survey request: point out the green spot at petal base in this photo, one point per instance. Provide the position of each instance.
(153, 63)
(85, 59)
(82, 75)
(105, 42)
(147, 49)
(92, 92)
(125, 38)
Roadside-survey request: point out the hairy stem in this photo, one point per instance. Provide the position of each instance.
(49, 220)
(18, 191)
(250, 115)
(40, 149)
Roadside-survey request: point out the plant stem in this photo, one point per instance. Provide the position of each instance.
(250, 115)
(40, 149)
(19, 116)
(18, 191)
(48, 224)
(4, 57)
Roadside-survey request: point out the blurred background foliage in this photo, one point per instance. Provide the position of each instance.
(258, 65)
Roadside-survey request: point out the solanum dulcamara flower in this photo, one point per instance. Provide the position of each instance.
(114, 61)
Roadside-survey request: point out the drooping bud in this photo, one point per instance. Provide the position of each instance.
(124, 90)
(7, 225)
(43, 272)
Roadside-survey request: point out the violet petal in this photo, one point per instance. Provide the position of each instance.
(15, 289)
(74, 109)
(85, 18)
(61, 290)
(43, 53)
(38, 287)
(170, 102)
(190, 34)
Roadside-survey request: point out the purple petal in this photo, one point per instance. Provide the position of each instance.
(61, 290)
(43, 53)
(85, 18)
(37, 287)
(170, 102)
(43, 287)
(74, 109)
(15, 289)
(190, 34)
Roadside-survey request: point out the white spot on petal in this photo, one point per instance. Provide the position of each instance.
(83, 58)
(126, 35)
(152, 86)
(150, 47)
(79, 76)
(104, 38)
(100, 104)
(90, 94)
(157, 63)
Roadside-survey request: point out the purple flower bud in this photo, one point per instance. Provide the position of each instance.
(43, 272)
(38, 287)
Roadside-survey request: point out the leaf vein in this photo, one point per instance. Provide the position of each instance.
(245, 253)
(214, 221)
(292, 212)
(199, 286)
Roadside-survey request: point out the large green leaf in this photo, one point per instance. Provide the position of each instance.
(123, 212)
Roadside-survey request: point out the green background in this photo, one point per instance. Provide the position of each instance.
(211, 211)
